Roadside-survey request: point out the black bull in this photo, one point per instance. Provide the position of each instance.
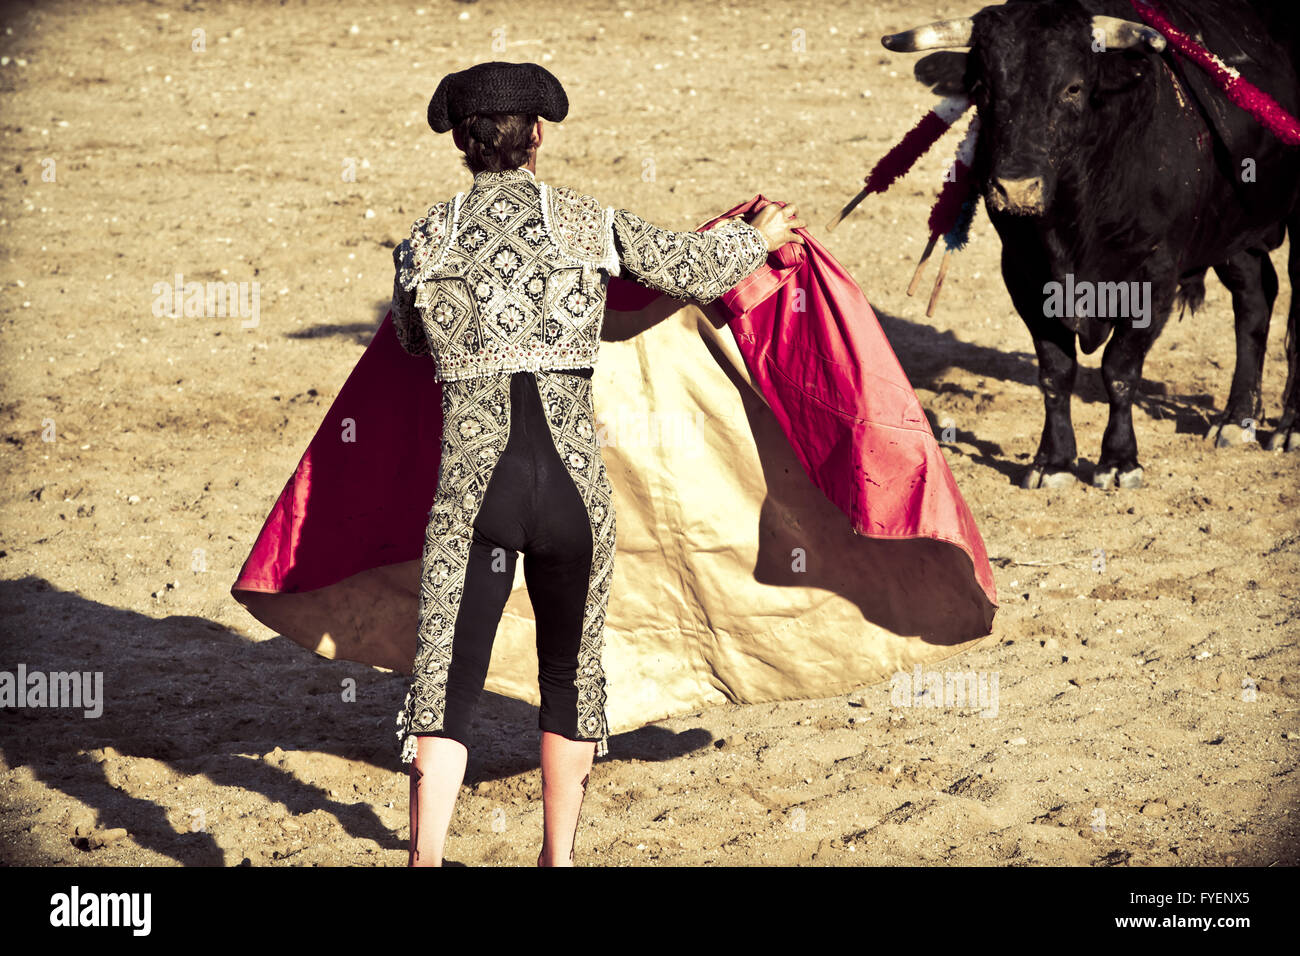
(1105, 159)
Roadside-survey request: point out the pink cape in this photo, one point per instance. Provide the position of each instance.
(816, 353)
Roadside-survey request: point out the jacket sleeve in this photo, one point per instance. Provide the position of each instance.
(688, 265)
(406, 318)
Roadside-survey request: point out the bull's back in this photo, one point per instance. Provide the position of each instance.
(1255, 176)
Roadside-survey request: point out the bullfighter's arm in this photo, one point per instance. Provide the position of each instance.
(406, 318)
(688, 265)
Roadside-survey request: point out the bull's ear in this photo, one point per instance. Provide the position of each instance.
(1120, 72)
(943, 72)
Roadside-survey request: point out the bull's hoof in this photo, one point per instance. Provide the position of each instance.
(1226, 434)
(1108, 478)
(1041, 477)
(1285, 440)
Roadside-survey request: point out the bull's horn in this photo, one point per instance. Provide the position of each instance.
(933, 36)
(1119, 34)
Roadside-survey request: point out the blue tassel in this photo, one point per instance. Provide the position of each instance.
(956, 238)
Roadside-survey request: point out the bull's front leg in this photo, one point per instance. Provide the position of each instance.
(1251, 279)
(1121, 371)
(1027, 271)
(1057, 367)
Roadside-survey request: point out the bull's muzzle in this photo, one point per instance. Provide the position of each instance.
(1020, 197)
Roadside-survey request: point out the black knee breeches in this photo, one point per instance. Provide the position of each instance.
(521, 473)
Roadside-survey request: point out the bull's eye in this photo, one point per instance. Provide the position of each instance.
(1072, 91)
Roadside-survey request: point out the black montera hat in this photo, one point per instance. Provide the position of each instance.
(497, 88)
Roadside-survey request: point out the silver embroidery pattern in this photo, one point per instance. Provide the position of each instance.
(476, 427)
(508, 277)
(512, 275)
(571, 416)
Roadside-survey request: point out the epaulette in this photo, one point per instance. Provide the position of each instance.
(582, 228)
(431, 237)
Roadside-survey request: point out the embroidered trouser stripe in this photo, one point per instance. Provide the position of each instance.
(570, 414)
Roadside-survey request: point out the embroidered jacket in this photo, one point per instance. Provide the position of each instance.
(512, 274)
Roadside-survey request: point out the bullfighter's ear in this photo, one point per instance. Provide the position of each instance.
(943, 72)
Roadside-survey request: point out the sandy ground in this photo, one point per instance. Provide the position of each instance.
(1130, 621)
